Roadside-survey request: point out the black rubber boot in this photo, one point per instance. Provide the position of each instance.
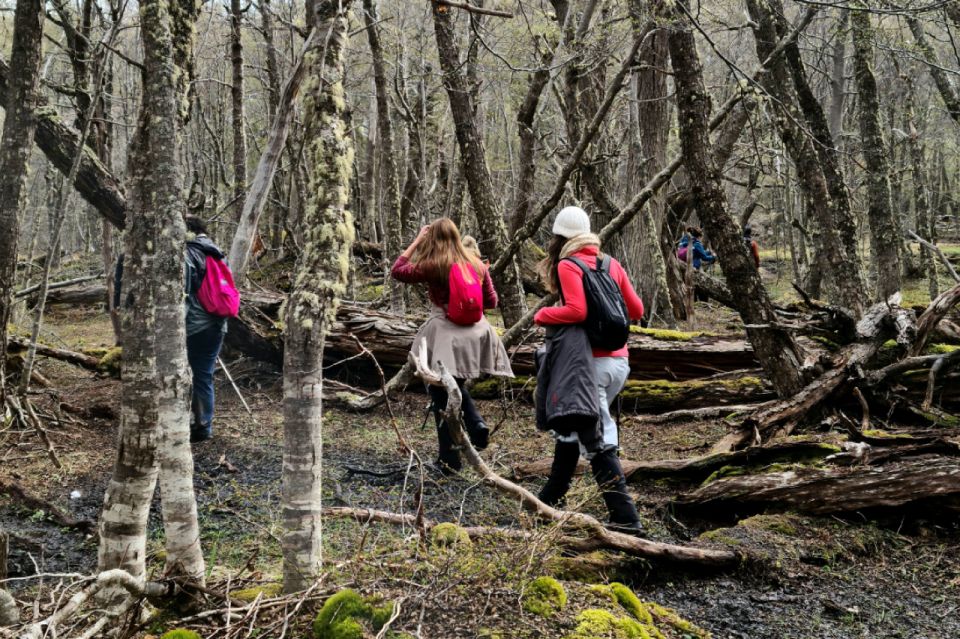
(613, 486)
(448, 458)
(565, 458)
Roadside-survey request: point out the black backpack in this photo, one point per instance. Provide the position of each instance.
(608, 324)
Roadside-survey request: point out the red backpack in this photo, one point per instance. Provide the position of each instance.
(466, 297)
(218, 295)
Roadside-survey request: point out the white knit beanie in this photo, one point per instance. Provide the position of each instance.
(571, 221)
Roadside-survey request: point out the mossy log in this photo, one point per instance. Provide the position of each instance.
(931, 482)
(257, 334)
(698, 468)
(81, 295)
(78, 359)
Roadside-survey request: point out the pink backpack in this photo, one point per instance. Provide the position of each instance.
(218, 295)
(466, 298)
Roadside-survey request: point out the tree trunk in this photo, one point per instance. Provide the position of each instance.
(921, 203)
(266, 170)
(779, 354)
(843, 267)
(851, 277)
(491, 227)
(238, 120)
(838, 90)
(19, 126)
(156, 392)
(946, 87)
(321, 276)
(653, 118)
(884, 235)
(389, 175)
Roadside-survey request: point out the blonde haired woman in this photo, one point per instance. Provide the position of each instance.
(466, 350)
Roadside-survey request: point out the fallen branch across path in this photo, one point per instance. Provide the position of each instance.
(82, 360)
(597, 533)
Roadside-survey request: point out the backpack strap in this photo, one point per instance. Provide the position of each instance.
(576, 260)
(603, 263)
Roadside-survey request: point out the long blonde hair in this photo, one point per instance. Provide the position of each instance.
(440, 249)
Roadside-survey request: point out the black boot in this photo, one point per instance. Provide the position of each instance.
(565, 458)
(613, 485)
(448, 459)
(477, 429)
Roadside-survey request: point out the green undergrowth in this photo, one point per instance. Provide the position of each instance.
(625, 616)
(180, 633)
(267, 591)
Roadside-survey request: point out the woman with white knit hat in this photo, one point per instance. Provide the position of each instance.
(570, 254)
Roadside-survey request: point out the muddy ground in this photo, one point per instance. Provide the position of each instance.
(824, 577)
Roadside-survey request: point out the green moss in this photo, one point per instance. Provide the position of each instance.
(666, 334)
(885, 434)
(596, 624)
(591, 568)
(370, 293)
(347, 615)
(544, 596)
(782, 524)
(941, 349)
(631, 603)
(662, 391)
(111, 361)
(181, 633)
(719, 536)
(250, 594)
(450, 535)
(670, 617)
(492, 387)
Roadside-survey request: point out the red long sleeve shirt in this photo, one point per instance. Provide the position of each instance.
(409, 273)
(574, 307)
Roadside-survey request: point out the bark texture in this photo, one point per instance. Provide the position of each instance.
(491, 227)
(236, 105)
(794, 100)
(320, 281)
(884, 235)
(19, 126)
(389, 175)
(779, 354)
(154, 424)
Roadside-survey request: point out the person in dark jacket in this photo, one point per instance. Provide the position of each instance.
(204, 331)
(692, 238)
(595, 374)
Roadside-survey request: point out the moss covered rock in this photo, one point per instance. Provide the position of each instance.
(544, 596)
(447, 535)
(180, 633)
(667, 335)
(347, 615)
(111, 361)
(250, 594)
(596, 623)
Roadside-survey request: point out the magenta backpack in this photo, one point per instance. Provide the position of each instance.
(218, 295)
(466, 298)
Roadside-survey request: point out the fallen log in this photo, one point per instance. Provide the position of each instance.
(879, 322)
(820, 492)
(653, 354)
(83, 360)
(87, 295)
(699, 468)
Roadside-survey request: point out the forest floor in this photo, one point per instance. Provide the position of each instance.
(823, 577)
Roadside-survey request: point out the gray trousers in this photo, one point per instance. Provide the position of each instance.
(612, 373)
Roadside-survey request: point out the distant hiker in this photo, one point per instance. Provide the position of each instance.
(211, 299)
(457, 333)
(752, 245)
(692, 239)
(210, 302)
(584, 365)
(473, 248)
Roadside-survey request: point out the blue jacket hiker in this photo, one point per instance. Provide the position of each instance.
(701, 255)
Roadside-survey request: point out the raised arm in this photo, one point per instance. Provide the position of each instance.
(574, 308)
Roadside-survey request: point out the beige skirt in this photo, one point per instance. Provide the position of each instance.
(466, 351)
